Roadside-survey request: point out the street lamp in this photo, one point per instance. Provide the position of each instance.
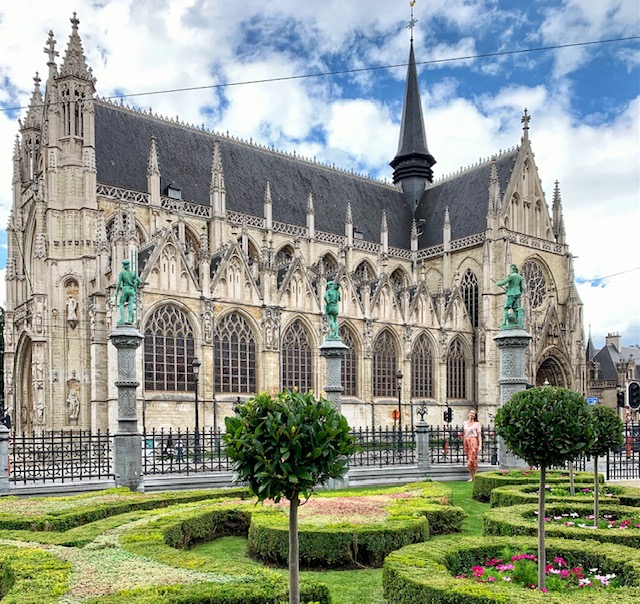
(399, 385)
(196, 441)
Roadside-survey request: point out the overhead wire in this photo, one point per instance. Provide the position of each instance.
(354, 70)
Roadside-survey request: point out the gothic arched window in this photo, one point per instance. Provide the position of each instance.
(385, 357)
(168, 351)
(535, 284)
(297, 358)
(349, 363)
(456, 372)
(234, 355)
(422, 369)
(469, 288)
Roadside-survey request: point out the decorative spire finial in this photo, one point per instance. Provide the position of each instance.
(50, 49)
(74, 21)
(412, 21)
(526, 118)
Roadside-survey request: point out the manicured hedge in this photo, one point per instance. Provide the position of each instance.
(124, 501)
(334, 546)
(29, 576)
(520, 520)
(485, 482)
(528, 493)
(425, 572)
(268, 589)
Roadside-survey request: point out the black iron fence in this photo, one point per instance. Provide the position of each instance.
(383, 447)
(67, 456)
(63, 456)
(183, 452)
(625, 462)
(446, 445)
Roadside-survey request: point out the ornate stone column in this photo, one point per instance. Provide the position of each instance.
(513, 344)
(333, 351)
(127, 442)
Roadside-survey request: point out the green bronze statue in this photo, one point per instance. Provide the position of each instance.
(331, 298)
(129, 283)
(513, 312)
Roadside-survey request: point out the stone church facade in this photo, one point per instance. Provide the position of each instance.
(235, 243)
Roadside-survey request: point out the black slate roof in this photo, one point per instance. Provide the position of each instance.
(467, 197)
(608, 356)
(123, 139)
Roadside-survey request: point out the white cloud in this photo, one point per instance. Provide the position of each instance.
(591, 148)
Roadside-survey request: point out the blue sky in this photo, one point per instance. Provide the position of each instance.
(584, 100)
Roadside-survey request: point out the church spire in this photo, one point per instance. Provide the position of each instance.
(413, 162)
(74, 63)
(33, 118)
(558, 218)
(52, 53)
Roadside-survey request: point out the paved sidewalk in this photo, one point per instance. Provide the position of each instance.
(625, 483)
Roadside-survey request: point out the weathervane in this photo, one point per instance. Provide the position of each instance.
(413, 21)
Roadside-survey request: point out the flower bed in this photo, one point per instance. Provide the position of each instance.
(485, 482)
(565, 520)
(432, 572)
(528, 493)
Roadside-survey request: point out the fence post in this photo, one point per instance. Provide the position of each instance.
(422, 446)
(4, 459)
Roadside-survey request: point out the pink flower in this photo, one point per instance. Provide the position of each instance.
(478, 571)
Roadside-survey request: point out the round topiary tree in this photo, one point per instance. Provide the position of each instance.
(545, 426)
(284, 446)
(608, 435)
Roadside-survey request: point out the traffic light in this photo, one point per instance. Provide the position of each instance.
(448, 415)
(633, 395)
(620, 397)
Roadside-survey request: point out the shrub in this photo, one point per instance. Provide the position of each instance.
(426, 572)
(485, 482)
(521, 494)
(520, 520)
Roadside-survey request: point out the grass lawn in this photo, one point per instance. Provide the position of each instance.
(350, 586)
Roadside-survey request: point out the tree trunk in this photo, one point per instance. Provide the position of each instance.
(572, 483)
(596, 491)
(542, 558)
(294, 562)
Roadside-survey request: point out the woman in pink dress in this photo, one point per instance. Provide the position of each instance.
(472, 442)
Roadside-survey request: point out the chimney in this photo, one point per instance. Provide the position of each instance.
(615, 340)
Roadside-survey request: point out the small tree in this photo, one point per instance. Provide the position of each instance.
(608, 435)
(545, 426)
(284, 446)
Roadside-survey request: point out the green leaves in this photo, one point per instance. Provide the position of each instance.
(546, 426)
(608, 430)
(285, 445)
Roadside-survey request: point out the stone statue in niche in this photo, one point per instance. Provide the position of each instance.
(73, 405)
(72, 308)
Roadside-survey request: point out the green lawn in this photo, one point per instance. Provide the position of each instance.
(348, 586)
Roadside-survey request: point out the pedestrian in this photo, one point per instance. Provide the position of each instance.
(179, 449)
(168, 449)
(472, 442)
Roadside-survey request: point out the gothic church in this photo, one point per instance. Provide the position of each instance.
(235, 243)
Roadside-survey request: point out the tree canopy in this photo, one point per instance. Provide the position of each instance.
(287, 444)
(546, 426)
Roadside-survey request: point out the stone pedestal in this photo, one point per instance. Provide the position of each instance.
(423, 454)
(127, 442)
(334, 351)
(513, 344)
